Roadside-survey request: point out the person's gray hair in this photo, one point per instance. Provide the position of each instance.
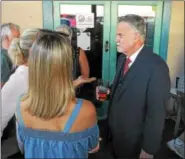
(136, 21)
(65, 29)
(19, 48)
(6, 29)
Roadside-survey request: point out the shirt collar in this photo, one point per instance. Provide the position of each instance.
(134, 55)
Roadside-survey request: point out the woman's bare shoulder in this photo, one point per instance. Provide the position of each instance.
(88, 110)
(88, 105)
(87, 117)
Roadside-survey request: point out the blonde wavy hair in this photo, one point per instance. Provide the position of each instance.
(19, 48)
(50, 76)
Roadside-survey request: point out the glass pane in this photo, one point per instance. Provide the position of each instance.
(95, 33)
(149, 15)
(94, 54)
(70, 11)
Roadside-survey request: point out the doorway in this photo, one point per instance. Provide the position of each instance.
(101, 53)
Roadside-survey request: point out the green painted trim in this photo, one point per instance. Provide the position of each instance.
(158, 25)
(47, 11)
(113, 52)
(106, 37)
(135, 2)
(165, 29)
(56, 5)
(81, 2)
(106, 27)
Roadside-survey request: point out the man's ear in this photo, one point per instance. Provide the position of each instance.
(138, 36)
(5, 41)
(5, 38)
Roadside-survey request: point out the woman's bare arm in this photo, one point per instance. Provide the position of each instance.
(84, 65)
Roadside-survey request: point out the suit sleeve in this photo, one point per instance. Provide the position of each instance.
(157, 96)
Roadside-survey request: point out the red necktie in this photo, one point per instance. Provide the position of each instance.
(126, 66)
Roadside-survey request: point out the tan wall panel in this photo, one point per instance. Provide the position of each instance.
(24, 13)
(176, 41)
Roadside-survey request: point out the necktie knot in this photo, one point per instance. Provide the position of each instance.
(126, 66)
(128, 60)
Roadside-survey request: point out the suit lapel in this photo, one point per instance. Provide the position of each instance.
(132, 73)
(118, 73)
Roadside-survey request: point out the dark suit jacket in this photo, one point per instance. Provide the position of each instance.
(137, 104)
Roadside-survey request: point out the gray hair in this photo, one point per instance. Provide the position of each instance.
(136, 21)
(6, 29)
(19, 48)
(65, 29)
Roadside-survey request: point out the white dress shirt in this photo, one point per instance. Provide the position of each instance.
(13, 88)
(134, 56)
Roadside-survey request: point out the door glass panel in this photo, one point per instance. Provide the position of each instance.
(95, 36)
(94, 53)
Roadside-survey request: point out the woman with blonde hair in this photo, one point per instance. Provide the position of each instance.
(18, 82)
(51, 122)
(78, 79)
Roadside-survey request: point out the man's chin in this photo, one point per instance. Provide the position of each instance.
(119, 50)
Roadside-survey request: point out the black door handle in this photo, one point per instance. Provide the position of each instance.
(106, 46)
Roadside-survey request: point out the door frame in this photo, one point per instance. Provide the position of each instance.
(106, 27)
(109, 59)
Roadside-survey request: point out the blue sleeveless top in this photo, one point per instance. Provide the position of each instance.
(50, 144)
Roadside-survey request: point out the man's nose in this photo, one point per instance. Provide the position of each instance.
(117, 39)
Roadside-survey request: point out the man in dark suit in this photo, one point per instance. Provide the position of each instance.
(138, 95)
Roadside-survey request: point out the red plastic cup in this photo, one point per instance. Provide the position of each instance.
(102, 92)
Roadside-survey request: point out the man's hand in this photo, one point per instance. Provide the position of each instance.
(97, 147)
(81, 80)
(144, 155)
